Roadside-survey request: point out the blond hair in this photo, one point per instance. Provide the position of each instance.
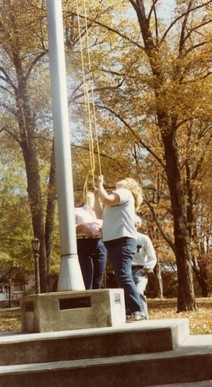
(136, 190)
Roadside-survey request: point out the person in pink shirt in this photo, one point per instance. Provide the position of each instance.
(92, 253)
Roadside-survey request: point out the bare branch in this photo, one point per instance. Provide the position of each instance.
(7, 79)
(165, 236)
(34, 62)
(196, 46)
(182, 35)
(115, 31)
(11, 134)
(102, 155)
(98, 89)
(156, 21)
(134, 134)
(194, 29)
(180, 17)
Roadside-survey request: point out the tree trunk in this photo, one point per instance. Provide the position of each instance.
(24, 61)
(167, 125)
(199, 268)
(28, 145)
(33, 180)
(34, 193)
(157, 273)
(50, 213)
(200, 272)
(186, 297)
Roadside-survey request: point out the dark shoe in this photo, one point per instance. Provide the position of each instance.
(135, 316)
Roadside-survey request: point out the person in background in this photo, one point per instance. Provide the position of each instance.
(120, 238)
(92, 253)
(143, 263)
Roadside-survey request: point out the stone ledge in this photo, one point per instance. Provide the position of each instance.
(58, 311)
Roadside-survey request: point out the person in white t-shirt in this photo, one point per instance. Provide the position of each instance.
(120, 238)
(143, 263)
(92, 253)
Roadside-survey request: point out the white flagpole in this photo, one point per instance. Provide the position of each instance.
(70, 276)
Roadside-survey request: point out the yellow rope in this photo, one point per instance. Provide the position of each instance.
(92, 90)
(91, 113)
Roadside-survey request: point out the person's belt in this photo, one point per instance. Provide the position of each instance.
(88, 237)
(137, 266)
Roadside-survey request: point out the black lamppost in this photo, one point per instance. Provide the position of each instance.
(36, 249)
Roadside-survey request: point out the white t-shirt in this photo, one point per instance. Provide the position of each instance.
(85, 215)
(119, 220)
(145, 256)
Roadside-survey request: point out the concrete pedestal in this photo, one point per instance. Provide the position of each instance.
(59, 311)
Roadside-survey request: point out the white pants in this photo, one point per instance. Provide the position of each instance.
(141, 281)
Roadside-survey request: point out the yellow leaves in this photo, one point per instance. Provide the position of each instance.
(200, 321)
(10, 320)
(23, 25)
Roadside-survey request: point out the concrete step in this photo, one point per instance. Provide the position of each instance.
(181, 365)
(207, 383)
(147, 353)
(128, 339)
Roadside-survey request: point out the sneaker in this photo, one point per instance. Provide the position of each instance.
(135, 316)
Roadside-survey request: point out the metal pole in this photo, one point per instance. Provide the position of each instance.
(37, 273)
(70, 276)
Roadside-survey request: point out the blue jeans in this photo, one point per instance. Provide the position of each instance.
(92, 256)
(121, 252)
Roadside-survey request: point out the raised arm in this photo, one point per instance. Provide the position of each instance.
(111, 199)
(97, 204)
